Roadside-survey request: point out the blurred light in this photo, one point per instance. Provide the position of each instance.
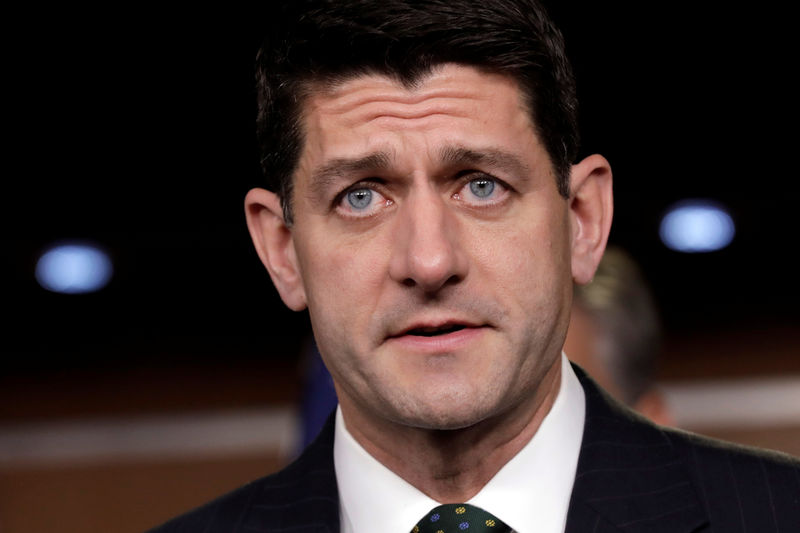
(695, 226)
(74, 268)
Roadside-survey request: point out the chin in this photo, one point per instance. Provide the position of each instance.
(446, 412)
(440, 421)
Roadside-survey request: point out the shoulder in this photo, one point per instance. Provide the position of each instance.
(729, 476)
(708, 452)
(610, 423)
(631, 470)
(301, 497)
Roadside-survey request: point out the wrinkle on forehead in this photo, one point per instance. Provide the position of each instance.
(369, 97)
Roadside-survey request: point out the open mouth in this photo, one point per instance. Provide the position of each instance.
(435, 331)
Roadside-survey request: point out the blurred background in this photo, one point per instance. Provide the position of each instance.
(183, 375)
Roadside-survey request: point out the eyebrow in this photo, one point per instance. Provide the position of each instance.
(492, 157)
(326, 175)
(323, 177)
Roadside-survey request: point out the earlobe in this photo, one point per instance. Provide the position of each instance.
(591, 207)
(274, 245)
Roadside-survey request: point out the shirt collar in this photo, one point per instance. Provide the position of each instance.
(530, 493)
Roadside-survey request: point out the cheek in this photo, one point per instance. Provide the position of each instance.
(527, 268)
(531, 253)
(341, 276)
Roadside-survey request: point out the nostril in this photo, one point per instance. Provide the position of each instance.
(433, 287)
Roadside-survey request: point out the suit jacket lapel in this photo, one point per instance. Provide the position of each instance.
(629, 477)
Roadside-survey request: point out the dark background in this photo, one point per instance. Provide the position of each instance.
(136, 130)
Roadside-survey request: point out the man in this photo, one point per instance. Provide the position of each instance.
(427, 212)
(614, 335)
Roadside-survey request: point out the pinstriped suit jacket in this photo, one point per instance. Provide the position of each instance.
(632, 477)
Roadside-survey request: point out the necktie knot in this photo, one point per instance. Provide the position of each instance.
(460, 518)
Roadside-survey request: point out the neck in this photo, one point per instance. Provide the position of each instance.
(452, 466)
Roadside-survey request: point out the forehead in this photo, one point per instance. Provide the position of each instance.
(447, 79)
(453, 105)
(442, 89)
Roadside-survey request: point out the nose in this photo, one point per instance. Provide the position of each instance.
(427, 253)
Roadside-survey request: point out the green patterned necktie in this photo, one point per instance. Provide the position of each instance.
(459, 518)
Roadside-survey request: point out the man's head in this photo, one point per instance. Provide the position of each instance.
(312, 44)
(432, 242)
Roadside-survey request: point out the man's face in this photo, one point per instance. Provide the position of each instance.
(431, 246)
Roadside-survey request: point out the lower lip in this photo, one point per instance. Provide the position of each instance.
(439, 343)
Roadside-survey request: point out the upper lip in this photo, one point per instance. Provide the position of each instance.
(434, 324)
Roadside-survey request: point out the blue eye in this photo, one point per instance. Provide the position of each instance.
(359, 198)
(482, 187)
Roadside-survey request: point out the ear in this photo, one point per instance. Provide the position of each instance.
(275, 246)
(591, 205)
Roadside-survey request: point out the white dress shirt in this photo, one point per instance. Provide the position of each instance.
(530, 493)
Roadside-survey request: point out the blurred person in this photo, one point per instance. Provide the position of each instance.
(614, 334)
(427, 205)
